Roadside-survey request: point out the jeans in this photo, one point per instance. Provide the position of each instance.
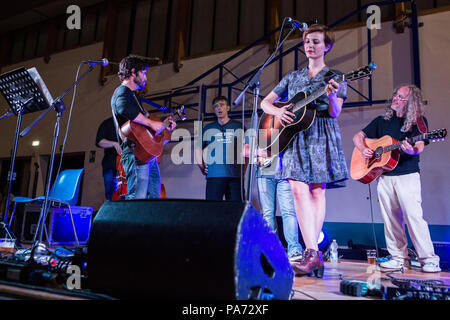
(109, 178)
(269, 190)
(143, 179)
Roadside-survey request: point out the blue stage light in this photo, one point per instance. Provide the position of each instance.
(321, 237)
(323, 242)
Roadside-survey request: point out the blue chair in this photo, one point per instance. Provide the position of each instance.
(64, 191)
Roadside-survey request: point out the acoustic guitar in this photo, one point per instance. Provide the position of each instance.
(386, 155)
(121, 177)
(148, 143)
(274, 137)
(264, 162)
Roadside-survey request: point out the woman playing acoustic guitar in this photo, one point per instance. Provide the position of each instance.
(314, 160)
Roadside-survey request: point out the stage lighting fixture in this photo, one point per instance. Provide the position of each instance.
(323, 242)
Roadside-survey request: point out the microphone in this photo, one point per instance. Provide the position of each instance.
(104, 62)
(301, 25)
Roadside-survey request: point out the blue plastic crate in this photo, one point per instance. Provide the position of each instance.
(61, 230)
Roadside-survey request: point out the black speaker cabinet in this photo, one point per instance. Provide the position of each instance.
(186, 249)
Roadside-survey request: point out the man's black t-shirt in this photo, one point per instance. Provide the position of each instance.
(125, 105)
(107, 131)
(380, 127)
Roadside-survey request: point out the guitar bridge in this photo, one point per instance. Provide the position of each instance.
(371, 161)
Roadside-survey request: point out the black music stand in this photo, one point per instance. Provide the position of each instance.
(21, 89)
(59, 107)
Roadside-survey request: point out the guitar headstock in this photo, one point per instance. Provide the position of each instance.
(360, 73)
(437, 135)
(180, 112)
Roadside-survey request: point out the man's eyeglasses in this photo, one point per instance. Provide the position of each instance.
(398, 97)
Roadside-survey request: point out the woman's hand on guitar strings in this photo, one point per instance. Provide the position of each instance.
(332, 87)
(286, 117)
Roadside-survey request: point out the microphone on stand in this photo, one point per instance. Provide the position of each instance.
(301, 25)
(104, 62)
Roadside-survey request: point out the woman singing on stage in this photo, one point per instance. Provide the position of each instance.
(314, 160)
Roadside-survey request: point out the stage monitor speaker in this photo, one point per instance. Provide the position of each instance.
(186, 249)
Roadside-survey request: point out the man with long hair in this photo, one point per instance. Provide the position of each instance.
(399, 190)
(143, 178)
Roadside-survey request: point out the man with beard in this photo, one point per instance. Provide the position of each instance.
(399, 190)
(143, 178)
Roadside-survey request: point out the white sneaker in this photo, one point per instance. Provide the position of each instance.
(431, 267)
(296, 256)
(392, 264)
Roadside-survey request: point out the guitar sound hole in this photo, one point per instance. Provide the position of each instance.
(378, 152)
(376, 156)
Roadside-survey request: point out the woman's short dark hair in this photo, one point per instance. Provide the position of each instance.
(328, 35)
(129, 63)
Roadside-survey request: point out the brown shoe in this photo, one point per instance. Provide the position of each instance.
(310, 264)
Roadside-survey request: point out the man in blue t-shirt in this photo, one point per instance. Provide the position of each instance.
(220, 155)
(399, 190)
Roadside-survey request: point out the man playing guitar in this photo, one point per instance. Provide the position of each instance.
(143, 178)
(399, 190)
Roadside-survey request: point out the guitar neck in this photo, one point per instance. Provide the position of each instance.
(412, 141)
(316, 94)
(355, 75)
(311, 98)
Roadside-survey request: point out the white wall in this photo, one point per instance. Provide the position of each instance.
(392, 53)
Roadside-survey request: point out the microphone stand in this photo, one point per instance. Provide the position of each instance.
(254, 83)
(59, 106)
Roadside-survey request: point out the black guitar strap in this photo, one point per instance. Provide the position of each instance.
(138, 101)
(120, 137)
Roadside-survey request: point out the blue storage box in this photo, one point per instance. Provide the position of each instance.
(61, 230)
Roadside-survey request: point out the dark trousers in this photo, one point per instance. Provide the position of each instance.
(109, 178)
(217, 188)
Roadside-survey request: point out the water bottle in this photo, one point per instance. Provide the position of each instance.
(334, 251)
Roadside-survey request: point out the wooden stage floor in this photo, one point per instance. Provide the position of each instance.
(304, 288)
(328, 287)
